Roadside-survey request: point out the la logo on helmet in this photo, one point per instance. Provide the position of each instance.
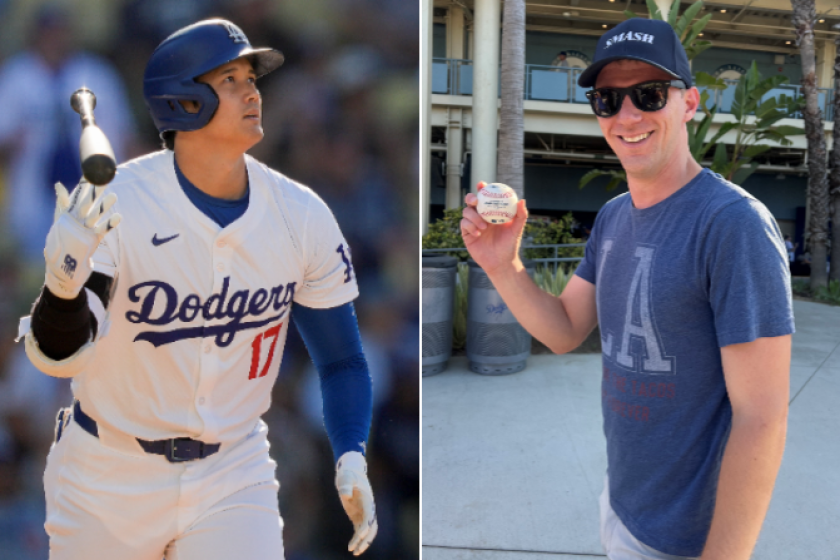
(235, 33)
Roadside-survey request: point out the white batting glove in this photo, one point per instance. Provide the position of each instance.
(74, 237)
(357, 498)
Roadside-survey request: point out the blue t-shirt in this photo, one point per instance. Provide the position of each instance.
(703, 269)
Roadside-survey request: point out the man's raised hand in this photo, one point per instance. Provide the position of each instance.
(491, 245)
(74, 236)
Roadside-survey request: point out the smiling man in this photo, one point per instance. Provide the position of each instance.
(171, 317)
(687, 277)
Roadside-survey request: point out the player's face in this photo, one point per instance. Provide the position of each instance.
(646, 142)
(238, 119)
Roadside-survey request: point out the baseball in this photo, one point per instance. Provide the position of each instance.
(497, 203)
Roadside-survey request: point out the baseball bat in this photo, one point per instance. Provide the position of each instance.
(98, 162)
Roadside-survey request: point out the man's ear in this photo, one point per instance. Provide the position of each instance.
(692, 103)
(190, 106)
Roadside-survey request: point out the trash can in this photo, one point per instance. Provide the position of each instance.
(496, 342)
(438, 309)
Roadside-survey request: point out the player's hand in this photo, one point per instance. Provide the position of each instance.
(74, 236)
(357, 498)
(492, 245)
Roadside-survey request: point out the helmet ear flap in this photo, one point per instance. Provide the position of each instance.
(171, 114)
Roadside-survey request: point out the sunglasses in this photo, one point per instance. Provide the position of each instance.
(647, 96)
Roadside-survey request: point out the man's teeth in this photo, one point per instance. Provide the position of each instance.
(638, 138)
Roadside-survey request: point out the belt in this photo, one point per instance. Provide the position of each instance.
(175, 450)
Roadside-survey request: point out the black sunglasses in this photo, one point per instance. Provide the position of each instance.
(647, 96)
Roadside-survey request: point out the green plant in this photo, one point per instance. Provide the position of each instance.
(553, 282)
(829, 294)
(688, 35)
(616, 177)
(697, 131)
(755, 123)
(825, 294)
(459, 319)
(801, 287)
(445, 233)
(551, 232)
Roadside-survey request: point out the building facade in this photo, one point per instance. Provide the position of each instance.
(562, 138)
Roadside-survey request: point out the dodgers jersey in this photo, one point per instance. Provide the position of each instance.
(675, 282)
(199, 314)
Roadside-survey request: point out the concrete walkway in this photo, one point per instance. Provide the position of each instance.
(513, 466)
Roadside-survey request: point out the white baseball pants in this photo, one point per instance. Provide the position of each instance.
(617, 540)
(106, 504)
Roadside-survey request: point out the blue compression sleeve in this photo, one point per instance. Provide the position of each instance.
(332, 338)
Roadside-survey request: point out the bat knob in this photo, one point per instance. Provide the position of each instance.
(83, 100)
(99, 169)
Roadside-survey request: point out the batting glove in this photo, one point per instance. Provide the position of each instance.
(74, 237)
(357, 498)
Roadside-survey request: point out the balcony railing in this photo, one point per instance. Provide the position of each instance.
(549, 83)
(452, 76)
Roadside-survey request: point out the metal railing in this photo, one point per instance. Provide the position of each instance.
(452, 76)
(554, 261)
(550, 83)
(724, 98)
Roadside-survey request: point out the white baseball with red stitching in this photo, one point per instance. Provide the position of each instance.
(497, 203)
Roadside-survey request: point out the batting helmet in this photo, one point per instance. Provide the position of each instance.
(187, 54)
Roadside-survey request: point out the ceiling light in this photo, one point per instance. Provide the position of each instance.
(821, 21)
(604, 26)
(700, 35)
(723, 11)
(787, 42)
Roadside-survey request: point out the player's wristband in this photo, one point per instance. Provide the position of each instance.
(62, 326)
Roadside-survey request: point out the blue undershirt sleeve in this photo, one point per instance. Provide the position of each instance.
(335, 346)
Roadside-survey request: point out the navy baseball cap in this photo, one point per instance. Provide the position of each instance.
(648, 40)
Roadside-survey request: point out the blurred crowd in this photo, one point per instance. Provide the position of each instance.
(341, 116)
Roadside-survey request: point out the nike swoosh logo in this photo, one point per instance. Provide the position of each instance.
(156, 241)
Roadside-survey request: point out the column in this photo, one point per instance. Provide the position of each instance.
(454, 153)
(455, 32)
(826, 51)
(664, 7)
(426, 15)
(485, 109)
(454, 129)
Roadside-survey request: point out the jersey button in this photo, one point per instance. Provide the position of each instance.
(221, 244)
(201, 400)
(207, 348)
(220, 267)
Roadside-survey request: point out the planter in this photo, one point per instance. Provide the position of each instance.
(438, 309)
(496, 342)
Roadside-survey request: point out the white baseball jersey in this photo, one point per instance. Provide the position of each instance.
(199, 314)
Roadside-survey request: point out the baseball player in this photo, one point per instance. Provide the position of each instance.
(167, 300)
(687, 277)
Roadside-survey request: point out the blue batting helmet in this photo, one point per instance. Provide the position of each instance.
(187, 54)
